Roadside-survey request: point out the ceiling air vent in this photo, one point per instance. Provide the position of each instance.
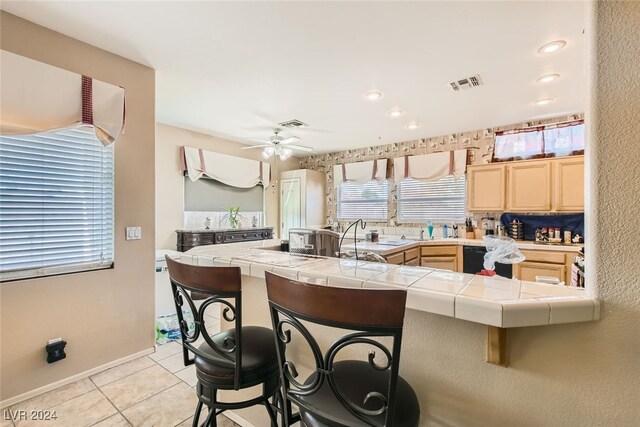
(295, 123)
(466, 83)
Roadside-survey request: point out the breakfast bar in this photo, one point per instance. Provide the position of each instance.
(462, 306)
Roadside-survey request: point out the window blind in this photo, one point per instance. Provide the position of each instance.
(56, 203)
(441, 200)
(366, 201)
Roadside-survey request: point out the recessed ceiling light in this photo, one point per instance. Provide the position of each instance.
(373, 95)
(413, 125)
(396, 112)
(552, 47)
(544, 101)
(547, 78)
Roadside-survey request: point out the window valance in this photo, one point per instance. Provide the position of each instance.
(39, 97)
(231, 170)
(360, 172)
(430, 167)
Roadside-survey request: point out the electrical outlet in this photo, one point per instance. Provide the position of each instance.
(133, 233)
(55, 350)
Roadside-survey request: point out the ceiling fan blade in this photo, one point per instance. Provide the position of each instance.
(263, 141)
(253, 146)
(290, 140)
(300, 148)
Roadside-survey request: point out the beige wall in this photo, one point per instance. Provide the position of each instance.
(104, 315)
(170, 182)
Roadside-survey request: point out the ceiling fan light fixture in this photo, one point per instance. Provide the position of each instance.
(268, 152)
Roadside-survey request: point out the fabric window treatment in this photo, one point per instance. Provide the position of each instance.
(230, 170)
(542, 141)
(360, 172)
(430, 167)
(38, 97)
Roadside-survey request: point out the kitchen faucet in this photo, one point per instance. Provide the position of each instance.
(422, 234)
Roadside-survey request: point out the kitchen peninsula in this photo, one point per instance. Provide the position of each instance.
(494, 304)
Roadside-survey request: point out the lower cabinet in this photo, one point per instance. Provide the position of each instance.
(443, 263)
(527, 270)
(544, 263)
(408, 257)
(441, 257)
(397, 258)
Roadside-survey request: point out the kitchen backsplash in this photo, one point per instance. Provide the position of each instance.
(480, 144)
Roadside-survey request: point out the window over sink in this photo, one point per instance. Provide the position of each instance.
(442, 200)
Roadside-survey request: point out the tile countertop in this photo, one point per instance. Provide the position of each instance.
(411, 243)
(495, 301)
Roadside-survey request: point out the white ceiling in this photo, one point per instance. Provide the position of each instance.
(234, 69)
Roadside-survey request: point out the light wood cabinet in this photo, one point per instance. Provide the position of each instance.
(528, 270)
(544, 263)
(443, 257)
(569, 184)
(443, 263)
(529, 186)
(397, 258)
(545, 185)
(486, 188)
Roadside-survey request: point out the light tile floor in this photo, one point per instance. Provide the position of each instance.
(155, 390)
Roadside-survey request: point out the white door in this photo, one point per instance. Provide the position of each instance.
(290, 206)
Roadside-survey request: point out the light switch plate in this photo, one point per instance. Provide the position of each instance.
(133, 233)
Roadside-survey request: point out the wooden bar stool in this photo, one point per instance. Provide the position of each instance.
(238, 358)
(343, 392)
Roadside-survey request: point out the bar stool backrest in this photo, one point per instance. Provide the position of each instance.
(368, 315)
(216, 285)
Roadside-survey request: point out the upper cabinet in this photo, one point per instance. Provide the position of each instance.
(486, 188)
(529, 186)
(546, 185)
(569, 184)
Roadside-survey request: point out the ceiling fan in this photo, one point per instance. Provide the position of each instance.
(278, 145)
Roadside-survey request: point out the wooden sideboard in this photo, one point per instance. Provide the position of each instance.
(187, 239)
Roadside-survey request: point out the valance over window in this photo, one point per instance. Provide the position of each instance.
(231, 170)
(430, 167)
(360, 172)
(39, 97)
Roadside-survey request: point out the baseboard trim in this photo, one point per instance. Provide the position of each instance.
(76, 377)
(237, 419)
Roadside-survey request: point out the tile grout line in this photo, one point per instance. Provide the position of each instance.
(118, 379)
(112, 404)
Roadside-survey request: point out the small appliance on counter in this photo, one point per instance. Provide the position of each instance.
(516, 230)
(308, 241)
(489, 225)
